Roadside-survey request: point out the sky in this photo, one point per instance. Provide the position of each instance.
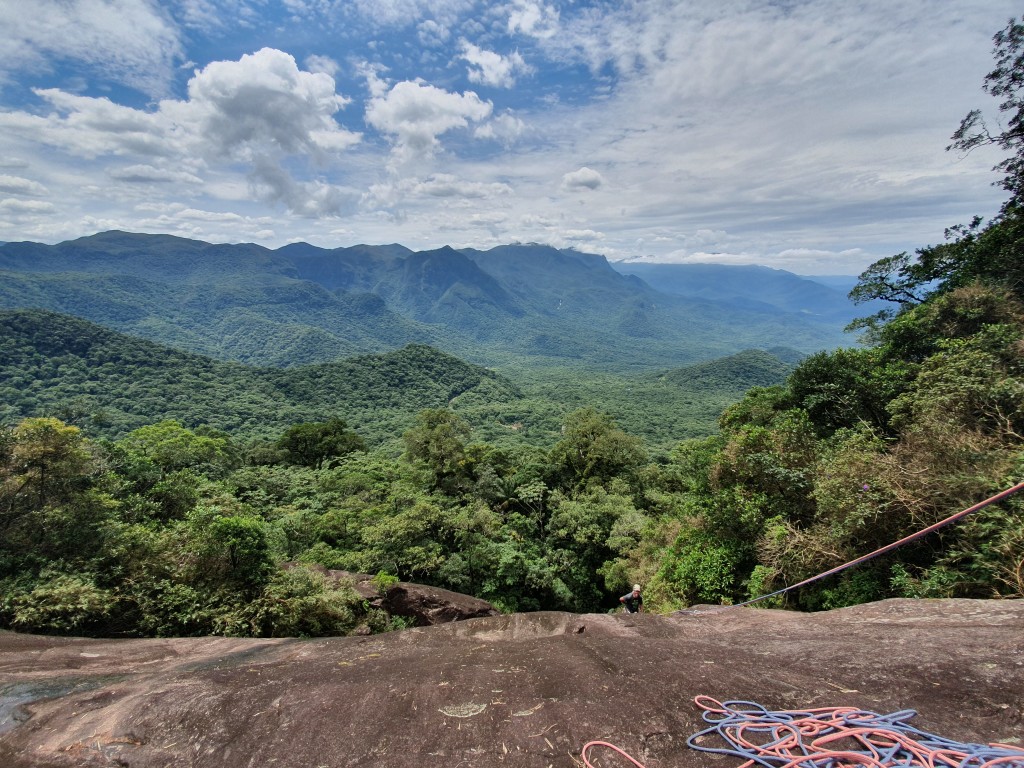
(803, 135)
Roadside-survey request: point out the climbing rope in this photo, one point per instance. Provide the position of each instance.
(829, 737)
(587, 747)
(836, 736)
(880, 551)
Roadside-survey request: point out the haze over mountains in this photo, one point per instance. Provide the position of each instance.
(522, 304)
(753, 287)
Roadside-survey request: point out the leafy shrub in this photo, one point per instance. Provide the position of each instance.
(59, 603)
(301, 602)
(383, 581)
(698, 568)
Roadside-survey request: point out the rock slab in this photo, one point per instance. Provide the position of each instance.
(519, 690)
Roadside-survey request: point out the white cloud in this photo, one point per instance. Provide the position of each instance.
(416, 114)
(431, 34)
(131, 41)
(447, 185)
(313, 199)
(16, 185)
(262, 103)
(402, 13)
(90, 127)
(488, 219)
(536, 19)
(440, 186)
(200, 14)
(505, 128)
(323, 64)
(193, 214)
(490, 68)
(25, 206)
(146, 174)
(260, 110)
(215, 226)
(584, 178)
(583, 235)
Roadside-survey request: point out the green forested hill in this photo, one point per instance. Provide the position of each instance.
(740, 372)
(111, 383)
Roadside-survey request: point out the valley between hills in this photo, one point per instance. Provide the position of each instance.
(237, 334)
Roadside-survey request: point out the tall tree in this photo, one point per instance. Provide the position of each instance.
(1005, 82)
(593, 448)
(311, 444)
(992, 252)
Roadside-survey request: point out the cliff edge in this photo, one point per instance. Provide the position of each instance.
(519, 690)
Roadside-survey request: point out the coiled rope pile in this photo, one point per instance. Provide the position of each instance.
(832, 737)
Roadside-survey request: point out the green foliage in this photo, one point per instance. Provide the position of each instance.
(57, 603)
(301, 602)
(383, 581)
(699, 567)
(845, 389)
(592, 448)
(170, 446)
(225, 548)
(52, 502)
(309, 445)
(438, 442)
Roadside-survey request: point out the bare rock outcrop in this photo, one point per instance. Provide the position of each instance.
(519, 690)
(425, 605)
(431, 605)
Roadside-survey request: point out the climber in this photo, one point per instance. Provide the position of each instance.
(633, 601)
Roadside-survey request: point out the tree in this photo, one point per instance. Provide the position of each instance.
(46, 459)
(50, 506)
(171, 447)
(593, 448)
(1005, 82)
(438, 441)
(990, 253)
(311, 444)
(228, 550)
(845, 388)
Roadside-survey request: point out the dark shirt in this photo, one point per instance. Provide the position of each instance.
(632, 603)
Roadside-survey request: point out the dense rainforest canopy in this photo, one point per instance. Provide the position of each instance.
(174, 530)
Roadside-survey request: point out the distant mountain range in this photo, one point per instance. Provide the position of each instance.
(754, 288)
(517, 304)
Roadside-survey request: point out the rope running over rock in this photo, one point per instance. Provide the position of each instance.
(870, 555)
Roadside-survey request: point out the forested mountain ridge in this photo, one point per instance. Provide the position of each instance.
(301, 304)
(111, 383)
